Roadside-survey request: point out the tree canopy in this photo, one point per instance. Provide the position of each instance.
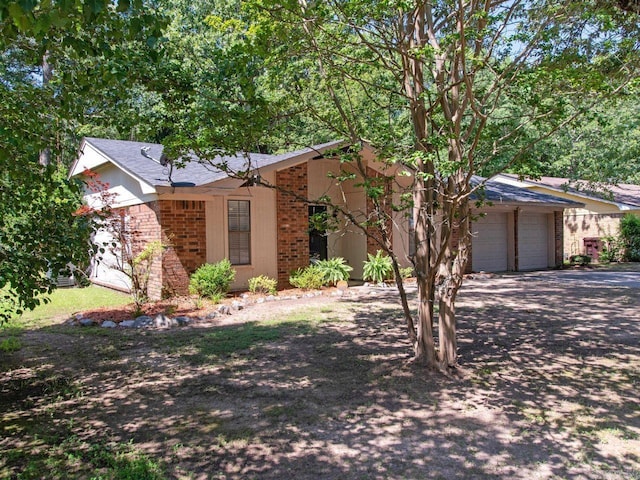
(60, 64)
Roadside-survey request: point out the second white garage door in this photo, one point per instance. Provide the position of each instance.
(533, 235)
(489, 243)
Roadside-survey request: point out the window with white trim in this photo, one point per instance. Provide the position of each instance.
(239, 221)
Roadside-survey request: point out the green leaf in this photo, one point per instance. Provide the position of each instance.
(28, 5)
(123, 5)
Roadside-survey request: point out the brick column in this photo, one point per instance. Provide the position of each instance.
(516, 248)
(144, 224)
(184, 230)
(292, 221)
(558, 225)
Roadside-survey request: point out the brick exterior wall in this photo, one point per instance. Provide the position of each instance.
(292, 222)
(558, 236)
(373, 232)
(516, 241)
(184, 229)
(179, 224)
(579, 226)
(144, 225)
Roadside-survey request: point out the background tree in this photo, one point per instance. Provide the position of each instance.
(60, 62)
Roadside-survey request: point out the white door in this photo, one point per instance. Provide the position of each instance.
(489, 246)
(533, 241)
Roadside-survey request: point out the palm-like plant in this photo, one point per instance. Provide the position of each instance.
(334, 270)
(378, 268)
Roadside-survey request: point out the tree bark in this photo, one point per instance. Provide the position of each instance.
(47, 74)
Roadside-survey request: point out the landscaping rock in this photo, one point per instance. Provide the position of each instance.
(224, 310)
(260, 300)
(127, 323)
(143, 321)
(109, 324)
(162, 321)
(237, 305)
(182, 321)
(86, 322)
(211, 316)
(271, 298)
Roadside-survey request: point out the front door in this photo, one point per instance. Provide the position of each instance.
(317, 232)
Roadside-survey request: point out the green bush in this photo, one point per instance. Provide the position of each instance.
(580, 259)
(610, 251)
(263, 284)
(309, 278)
(334, 270)
(630, 237)
(378, 268)
(406, 272)
(212, 279)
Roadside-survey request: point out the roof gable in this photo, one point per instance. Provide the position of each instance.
(128, 156)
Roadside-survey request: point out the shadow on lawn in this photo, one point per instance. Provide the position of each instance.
(337, 398)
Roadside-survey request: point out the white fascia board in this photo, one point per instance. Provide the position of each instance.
(90, 158)
(120, 197)
(513, 181)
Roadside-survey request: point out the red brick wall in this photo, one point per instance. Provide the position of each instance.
(144, 224)
(184, 229)
(292, 222)
(374, 232)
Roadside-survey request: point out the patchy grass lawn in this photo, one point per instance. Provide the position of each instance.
(64, 302)
(322, 388)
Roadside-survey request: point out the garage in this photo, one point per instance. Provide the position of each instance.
(533, 239)
(490, 243)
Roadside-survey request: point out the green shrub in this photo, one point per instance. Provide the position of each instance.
(580, 259)
(263, 284)
(334, 270)
(212, 280)
(630, 237)
(610, 251)
(406, 272)
(378, 268)
(309, 278)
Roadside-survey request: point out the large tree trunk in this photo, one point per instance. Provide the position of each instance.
(453, 268)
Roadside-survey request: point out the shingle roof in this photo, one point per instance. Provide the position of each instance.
(497, 192)
(621, 193)
(127, 155)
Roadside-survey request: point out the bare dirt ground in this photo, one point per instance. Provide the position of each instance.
(322, 388)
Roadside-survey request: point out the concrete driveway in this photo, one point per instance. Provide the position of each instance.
(623, 275)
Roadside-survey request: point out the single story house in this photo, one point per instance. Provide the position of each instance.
(205, 214)
(585, 226)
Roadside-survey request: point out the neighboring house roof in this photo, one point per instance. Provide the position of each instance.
(625, 196)
(498, 192)
(127, 155)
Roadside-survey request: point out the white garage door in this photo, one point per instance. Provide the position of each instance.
(533, 235)
(489, 245)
